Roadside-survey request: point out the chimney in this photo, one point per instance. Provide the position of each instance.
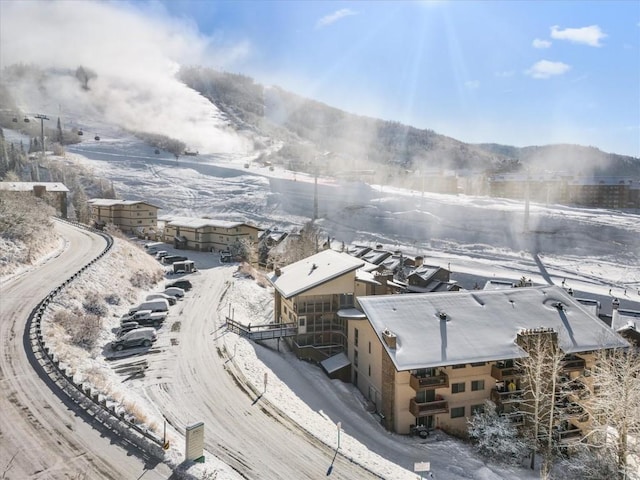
(615, 304)
(278, 271)
(389, 338)
(418, 261)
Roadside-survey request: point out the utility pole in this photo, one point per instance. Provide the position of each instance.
(42, 118)
(315, 194)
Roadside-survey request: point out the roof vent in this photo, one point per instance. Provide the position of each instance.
(443, 316)
(389, 338)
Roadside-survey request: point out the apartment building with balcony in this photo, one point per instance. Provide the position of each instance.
(206, 234)
(319, 294)
(131, 216)
(433, 359)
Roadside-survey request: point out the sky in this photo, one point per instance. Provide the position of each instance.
(516, 73)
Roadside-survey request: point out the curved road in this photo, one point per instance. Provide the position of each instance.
(243, 432)
(42, 435)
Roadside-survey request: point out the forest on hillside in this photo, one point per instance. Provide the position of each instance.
(309, 128)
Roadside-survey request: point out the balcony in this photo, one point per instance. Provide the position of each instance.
(428, 408)
(573, 364)
(516, 418)
(571, 434)
(503, 373)
(436, 381)
(500, 397)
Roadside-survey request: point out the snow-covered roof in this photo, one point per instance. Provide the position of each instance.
(365, 276)
(375, 256)
(192, 222)
(352, 313)
(498, 284)
(480, 325)
(621, 318)
(109, 202)
(335, 363)
(425, 271)
(28, 186)
(313, 271)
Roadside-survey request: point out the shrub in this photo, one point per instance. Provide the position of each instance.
(112, 299)
(82, 329)
(95, 305)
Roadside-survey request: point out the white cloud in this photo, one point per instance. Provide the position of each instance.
(472, 84)
(546, 69)
(505, 74)
(334, 17)
(586, 35)
(538, 43)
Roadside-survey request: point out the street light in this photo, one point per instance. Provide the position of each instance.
(339, 425)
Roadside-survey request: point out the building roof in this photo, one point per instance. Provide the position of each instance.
(313, 271)
(425, 272)
(110, 202)
(479, 325)
(191, 222)
(28, 186)
(375, 256)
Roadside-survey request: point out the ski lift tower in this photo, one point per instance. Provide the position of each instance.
(42, 118)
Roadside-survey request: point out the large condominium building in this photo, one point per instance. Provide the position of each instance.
(433, 359)
(206, 234)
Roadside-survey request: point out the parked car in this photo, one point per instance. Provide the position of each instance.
(145, 317)
(161, 254)
(140, 337)
(156, 305)
(126, 326)
(169, 298)
(174, 291)
(182, 283)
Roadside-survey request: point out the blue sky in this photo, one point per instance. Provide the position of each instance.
(516, 72)
(513, 72)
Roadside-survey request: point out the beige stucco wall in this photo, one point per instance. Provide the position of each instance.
(369, 355)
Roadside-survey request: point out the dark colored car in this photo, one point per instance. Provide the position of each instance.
(139, 337)
(182, 283)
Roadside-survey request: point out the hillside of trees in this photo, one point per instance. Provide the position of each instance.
(308, 128)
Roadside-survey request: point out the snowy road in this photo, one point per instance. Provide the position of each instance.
(43, 435)
(241, 430)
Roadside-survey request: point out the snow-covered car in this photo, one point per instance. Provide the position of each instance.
(174, 292)
(140, 337)
(126, 326)
(145, 317)
(169, 298)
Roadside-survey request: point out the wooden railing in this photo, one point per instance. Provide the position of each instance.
(421, 409)
(436, 381)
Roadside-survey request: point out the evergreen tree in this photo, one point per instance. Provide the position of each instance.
(59, 135)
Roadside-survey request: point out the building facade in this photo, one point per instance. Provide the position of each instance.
(52, 192)
(131, 216)
(434, 359)
(207, 235)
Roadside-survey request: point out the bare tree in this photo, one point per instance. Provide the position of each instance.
(540, 373)
(615, 406)
(297, 247)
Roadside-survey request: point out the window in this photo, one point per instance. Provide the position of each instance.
(477, 409)
(346, 300)
(369, 370)
(355, 358)
(461, 365)
(478, 364)
(369, 347)
(457, 412)
(477, 385)
(355, 337)
(457, 387)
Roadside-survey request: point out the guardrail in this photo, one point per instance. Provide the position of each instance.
(83, 395)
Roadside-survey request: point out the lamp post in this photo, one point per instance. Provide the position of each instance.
(339, 425)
